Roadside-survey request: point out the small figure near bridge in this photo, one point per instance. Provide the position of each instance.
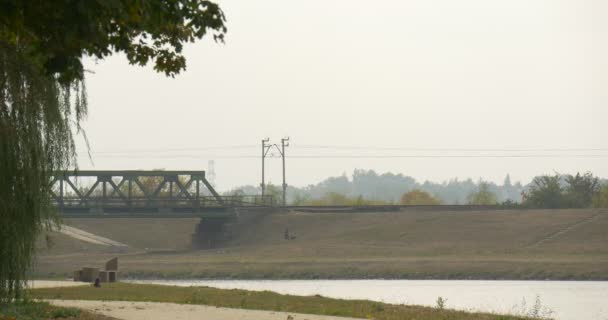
(287, 236)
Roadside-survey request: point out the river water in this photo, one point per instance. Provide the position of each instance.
(562, 300)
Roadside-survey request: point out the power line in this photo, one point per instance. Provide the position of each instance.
(362, 148)
(451, 149)
(355, 156)
(170, 149)
(453, 156)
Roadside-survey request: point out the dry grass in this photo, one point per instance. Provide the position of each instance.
(41, 311)
(407, 244)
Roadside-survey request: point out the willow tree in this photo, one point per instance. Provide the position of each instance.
(43, 97)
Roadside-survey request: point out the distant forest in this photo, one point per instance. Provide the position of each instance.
(389, 188)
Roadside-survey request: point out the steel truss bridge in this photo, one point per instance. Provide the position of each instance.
(143, 193)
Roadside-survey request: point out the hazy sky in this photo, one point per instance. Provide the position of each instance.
(430, 74)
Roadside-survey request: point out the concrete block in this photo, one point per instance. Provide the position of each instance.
(112, 264)
(112, 276)
(77, 275)
(89, 274)
(103, 276)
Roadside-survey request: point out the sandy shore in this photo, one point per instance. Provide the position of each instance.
(160, 311)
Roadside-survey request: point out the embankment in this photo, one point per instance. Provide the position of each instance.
(410, 243)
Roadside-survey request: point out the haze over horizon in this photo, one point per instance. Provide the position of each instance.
(413, 90)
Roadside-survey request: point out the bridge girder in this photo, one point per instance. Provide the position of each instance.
(125, 191)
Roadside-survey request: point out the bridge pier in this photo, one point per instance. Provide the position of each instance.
(209, 232)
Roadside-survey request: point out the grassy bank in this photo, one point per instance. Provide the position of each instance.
(447, 267)
(41, 310)
(409, 244)
(260, 301)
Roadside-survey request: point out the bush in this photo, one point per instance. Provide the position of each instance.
(338, 199)
(419, 197)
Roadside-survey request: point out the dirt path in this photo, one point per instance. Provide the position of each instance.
(565, 230)
(89, 237)
(160, 311)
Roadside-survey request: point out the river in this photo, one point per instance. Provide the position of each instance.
(561, 300)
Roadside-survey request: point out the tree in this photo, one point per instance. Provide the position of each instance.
(544, 192)
(557, 191)
(601, 198)
(581, 190)
(483, 196)
(419, 197)
(43, 96)
(56, 34)
(276, 194)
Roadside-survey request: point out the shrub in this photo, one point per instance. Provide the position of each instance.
(418, 197)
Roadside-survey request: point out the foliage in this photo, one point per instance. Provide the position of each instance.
(545, 192)
(601, 198)
(29, 310)
(58, 33)
(440, 303)
(534, 311)
(36, 139)
(483, 196)
(419, 197)
(64, 313)
(581, 190)
(557, 191)
(43, 97)
(300, 199)
(275, 192)
(338, 199)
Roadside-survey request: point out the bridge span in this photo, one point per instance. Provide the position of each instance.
(136, 193)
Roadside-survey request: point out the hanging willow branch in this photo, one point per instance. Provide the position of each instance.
(42, 96)
(36, 138)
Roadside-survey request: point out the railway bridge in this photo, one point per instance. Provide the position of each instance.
(147, 194)
(138, 193)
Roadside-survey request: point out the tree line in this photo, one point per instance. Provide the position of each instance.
(366, 187)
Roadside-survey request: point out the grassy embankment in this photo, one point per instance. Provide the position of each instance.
(413, 243)
(34, 310)
(259, 301)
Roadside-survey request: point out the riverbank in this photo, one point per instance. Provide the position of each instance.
(250, 300)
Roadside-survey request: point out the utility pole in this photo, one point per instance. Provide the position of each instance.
(265, 148)
(284, 143)
(210, 174)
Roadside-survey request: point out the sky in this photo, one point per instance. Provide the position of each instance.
(433, 89)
